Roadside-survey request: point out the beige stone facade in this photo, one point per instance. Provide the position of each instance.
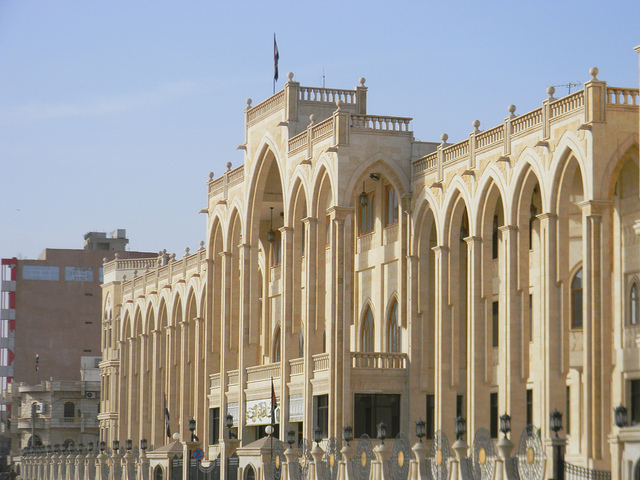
(372, 278)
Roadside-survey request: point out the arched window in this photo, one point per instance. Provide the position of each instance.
(276, 346)
(394, 341)
(576, 300)
(392, 206)
(634, 305)
(69, 410)
(367, 214)
(158, 474)
(249, 473)
(367, 336)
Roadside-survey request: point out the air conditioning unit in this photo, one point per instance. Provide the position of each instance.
(91, 395)
(39, 407)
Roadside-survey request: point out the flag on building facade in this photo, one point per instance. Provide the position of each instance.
(274, 403)
(166, 418)
(276, 57)
(37, 361)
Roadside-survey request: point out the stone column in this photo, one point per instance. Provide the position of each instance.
(552, 373)
(339, 319)
(512, 395)
(311, 268)
(477, 385)
(144, 391)
(289, 341)
(445, 393)
(157, 405)
(225, 342)
(248, 341)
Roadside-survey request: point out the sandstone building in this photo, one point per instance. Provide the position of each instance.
(377, 278)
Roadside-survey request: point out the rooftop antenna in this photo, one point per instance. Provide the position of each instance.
(569, 85)
(322, 77)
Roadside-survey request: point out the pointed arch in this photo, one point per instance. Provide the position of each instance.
(367, 330)
(394, 332)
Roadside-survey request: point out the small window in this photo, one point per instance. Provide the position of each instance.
(394, 339)
(367, 215)
(576, 300)
(367, 335)
(495, 238)
(391, 207)
(493, 415)
(460, 406)
(301, 343)
(371, 409)
(530, 317)
(158, 474)
(635, 401)
(495, 315)
(529, 407)
(69, 410)
(431, 415)
(634, 307)
(214, 425)
(568, 410)
(328, 231)
(250, 473)
(277, 248)
(276, 346)
(321, 414)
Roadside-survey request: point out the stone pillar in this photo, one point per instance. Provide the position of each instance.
(156, 428)
(317, 453)
(345, 467)
(224, 335)
(445, 393)
(380, 468)
(291, 456)
(339, 320)
(288, 338)
(512, 395)
(418, 466)
(551, 329)
(311, 268)
(477, 385)
(247, 342)
(145, 392)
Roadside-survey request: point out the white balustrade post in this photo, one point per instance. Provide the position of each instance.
(101, 460)
(504, 452)
(127, 461)
(417, 465)
(345, 467)
(291, 455)
(317, 453)
(460, 448)
(382, 453)
(143, 465)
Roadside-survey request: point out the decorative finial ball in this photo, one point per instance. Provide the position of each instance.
(187, 250)
(249, 102)
(176, 436)
(475, 124)
(210, 175)
(511, 108)
(593, 71)
(362, 80)
(339, 103)
(201, 243)
(290, 76)
(312, 118)
(444, 137)
(229, 165)
(104, 260)
(551, 90)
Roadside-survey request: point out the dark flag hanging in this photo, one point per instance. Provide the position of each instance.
(276, 57)
(37, 362)
(274, 404)
(166, 418)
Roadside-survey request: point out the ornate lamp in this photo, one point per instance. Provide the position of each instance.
(460, 427)
(505, 424)
(620, 416)
(56, 448)
(49, 449)
(271, 235)
(143, 444)
(347, 434)
(364, 198)
(115, 445)
(317, 436)
(128, 445)
(103, 445)
(192, 429)
(228, 421)
(291, 437)
(555, 421)
(81, 448)
(90, 448)
(382, 432)
(421, 429)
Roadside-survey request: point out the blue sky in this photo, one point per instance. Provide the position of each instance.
(112, 113)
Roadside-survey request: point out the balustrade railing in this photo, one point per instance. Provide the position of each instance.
(328, 95)
(574, 472)
(622, 96)
(378, 360)
(365, 242)
(321, 362)
(390, 234)
(264, 108)
(263, 372)
(381, 123)
(297, 366)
